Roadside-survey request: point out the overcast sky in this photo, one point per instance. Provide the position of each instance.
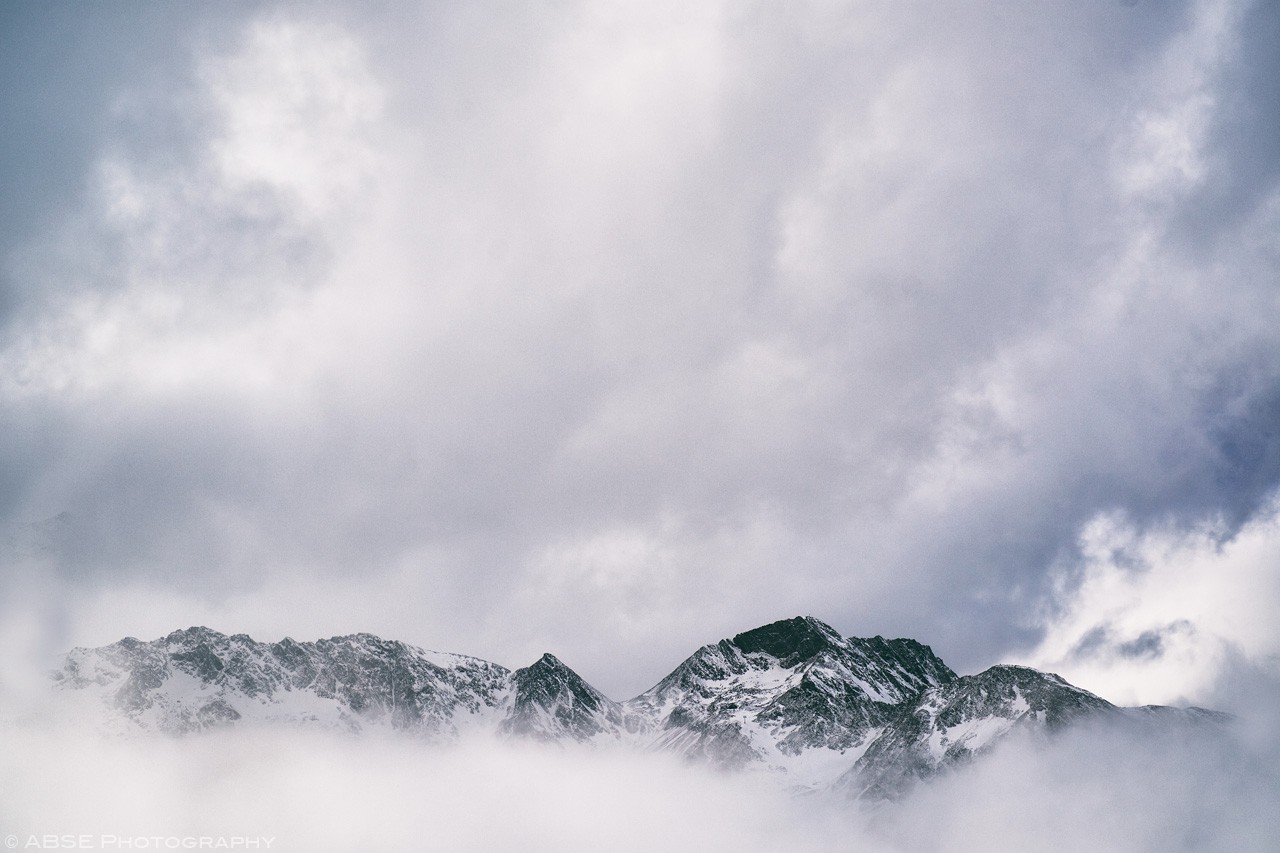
(612, 329)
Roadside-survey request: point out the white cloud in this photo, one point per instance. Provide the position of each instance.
(190, 276)
(324, 793)
(1091, 789)
(1164, 155)
(295, 107)
(679, 319)
(1152, 615)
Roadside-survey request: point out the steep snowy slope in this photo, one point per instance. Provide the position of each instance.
(197, 678)
(794, 695)
(949, 724)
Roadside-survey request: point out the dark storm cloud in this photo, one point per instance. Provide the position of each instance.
(593, 328)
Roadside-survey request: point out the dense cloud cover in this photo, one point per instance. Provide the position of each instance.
(1092, 790)
(613, 329)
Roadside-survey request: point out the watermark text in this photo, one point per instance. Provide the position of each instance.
(89, 841)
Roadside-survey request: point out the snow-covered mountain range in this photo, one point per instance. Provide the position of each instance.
(866, 716)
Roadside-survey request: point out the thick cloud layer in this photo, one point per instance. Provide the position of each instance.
(614, 329)
(1092, 789)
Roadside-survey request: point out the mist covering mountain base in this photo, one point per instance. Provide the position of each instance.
(868, 718)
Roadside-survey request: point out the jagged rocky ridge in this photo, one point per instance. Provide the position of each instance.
(867, 716)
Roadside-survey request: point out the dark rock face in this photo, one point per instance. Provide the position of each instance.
(906, 664)
(867, 716)
(790, 641)
(552, 703)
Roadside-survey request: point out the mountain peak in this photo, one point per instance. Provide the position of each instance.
(791, 641)
(195, 633)
(552, 701)
(549, 673)
(547, 670)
